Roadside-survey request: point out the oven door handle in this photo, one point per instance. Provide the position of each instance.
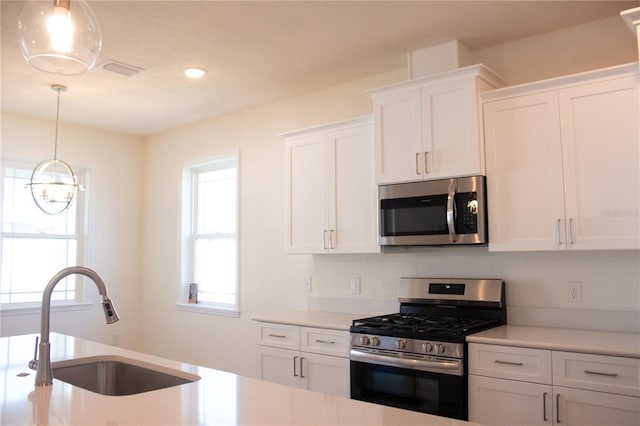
(451, 218)
(411, 364)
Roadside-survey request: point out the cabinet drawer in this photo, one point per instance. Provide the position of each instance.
(279, 335)
(597, 372)
(506, 362)
(325, 341)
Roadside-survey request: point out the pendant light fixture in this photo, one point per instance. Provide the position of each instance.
(53, 184)
(59, 36)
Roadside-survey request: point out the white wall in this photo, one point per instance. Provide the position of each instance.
(268, 278)
(594, 45)
(113, 193)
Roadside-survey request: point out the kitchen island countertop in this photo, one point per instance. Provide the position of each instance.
(218, 398)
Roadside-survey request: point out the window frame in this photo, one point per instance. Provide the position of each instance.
(79, 302)
(188, 219)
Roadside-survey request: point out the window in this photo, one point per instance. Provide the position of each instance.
(35, 246)
(210, 234)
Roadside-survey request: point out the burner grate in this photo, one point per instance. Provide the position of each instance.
(419, 325)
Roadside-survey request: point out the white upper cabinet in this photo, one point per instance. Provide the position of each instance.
(331, 194)
(563, 163)
(428, 128)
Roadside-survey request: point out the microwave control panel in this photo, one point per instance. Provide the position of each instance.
(466, 213)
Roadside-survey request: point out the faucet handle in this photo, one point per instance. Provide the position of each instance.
(33, 364)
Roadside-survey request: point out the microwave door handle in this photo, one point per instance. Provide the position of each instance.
(450, 210)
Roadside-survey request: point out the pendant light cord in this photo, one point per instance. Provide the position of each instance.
(55, 146)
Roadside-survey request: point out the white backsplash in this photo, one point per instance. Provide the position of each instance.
(586, 319)
(536, 283)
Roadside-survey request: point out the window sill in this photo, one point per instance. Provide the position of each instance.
(36, 308)
(207, 309)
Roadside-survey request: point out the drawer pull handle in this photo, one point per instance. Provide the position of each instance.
(518, 364)
(279, 336)
(558, 408)
(544, 407)
(328, 342)
(295, 359)
(600, 373)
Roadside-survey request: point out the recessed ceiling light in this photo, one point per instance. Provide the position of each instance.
(195, 72)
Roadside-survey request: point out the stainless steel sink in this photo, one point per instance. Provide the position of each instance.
(118, 376)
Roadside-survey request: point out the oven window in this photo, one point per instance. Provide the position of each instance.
(414, 216)
(433, 393)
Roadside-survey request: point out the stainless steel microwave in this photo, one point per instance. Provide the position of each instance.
(432, 213)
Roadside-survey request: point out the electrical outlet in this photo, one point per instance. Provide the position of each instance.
(306, 283)
(574, 292)
(355, 286)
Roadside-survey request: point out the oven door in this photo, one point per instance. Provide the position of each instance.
(437, 393)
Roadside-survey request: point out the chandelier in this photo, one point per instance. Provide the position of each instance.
(53, 184)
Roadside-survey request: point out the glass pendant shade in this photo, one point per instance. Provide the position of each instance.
(53, 186)
(59, 36)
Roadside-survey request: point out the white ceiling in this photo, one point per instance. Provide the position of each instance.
(256, 52)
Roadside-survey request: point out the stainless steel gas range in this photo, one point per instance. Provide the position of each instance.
(416, 359)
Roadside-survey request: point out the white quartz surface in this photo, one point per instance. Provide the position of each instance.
(219, 398)
(320, 319)
(562, 339)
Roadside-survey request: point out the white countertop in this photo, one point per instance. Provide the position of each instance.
(319, 319)
(562, 339)
(219, 398)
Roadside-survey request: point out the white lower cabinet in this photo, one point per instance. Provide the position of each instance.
(509, 402)
(510, 385)
(310, 358)
(581, 407)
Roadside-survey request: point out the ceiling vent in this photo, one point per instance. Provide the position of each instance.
(121, 68)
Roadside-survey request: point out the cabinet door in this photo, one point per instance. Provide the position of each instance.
(601, 142)
(306, 213)
(327, 374)
(583, 408)
(451, 141)
(353, 194)
(279, 365)
(524, 173)
(398, 137)
(509, 402)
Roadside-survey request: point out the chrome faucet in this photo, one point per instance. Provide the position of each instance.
(44, 376)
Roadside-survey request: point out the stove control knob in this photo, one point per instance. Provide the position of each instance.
(364, 340)
(439, 348)
(401, 344)
(427, 347)
(375, 341)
